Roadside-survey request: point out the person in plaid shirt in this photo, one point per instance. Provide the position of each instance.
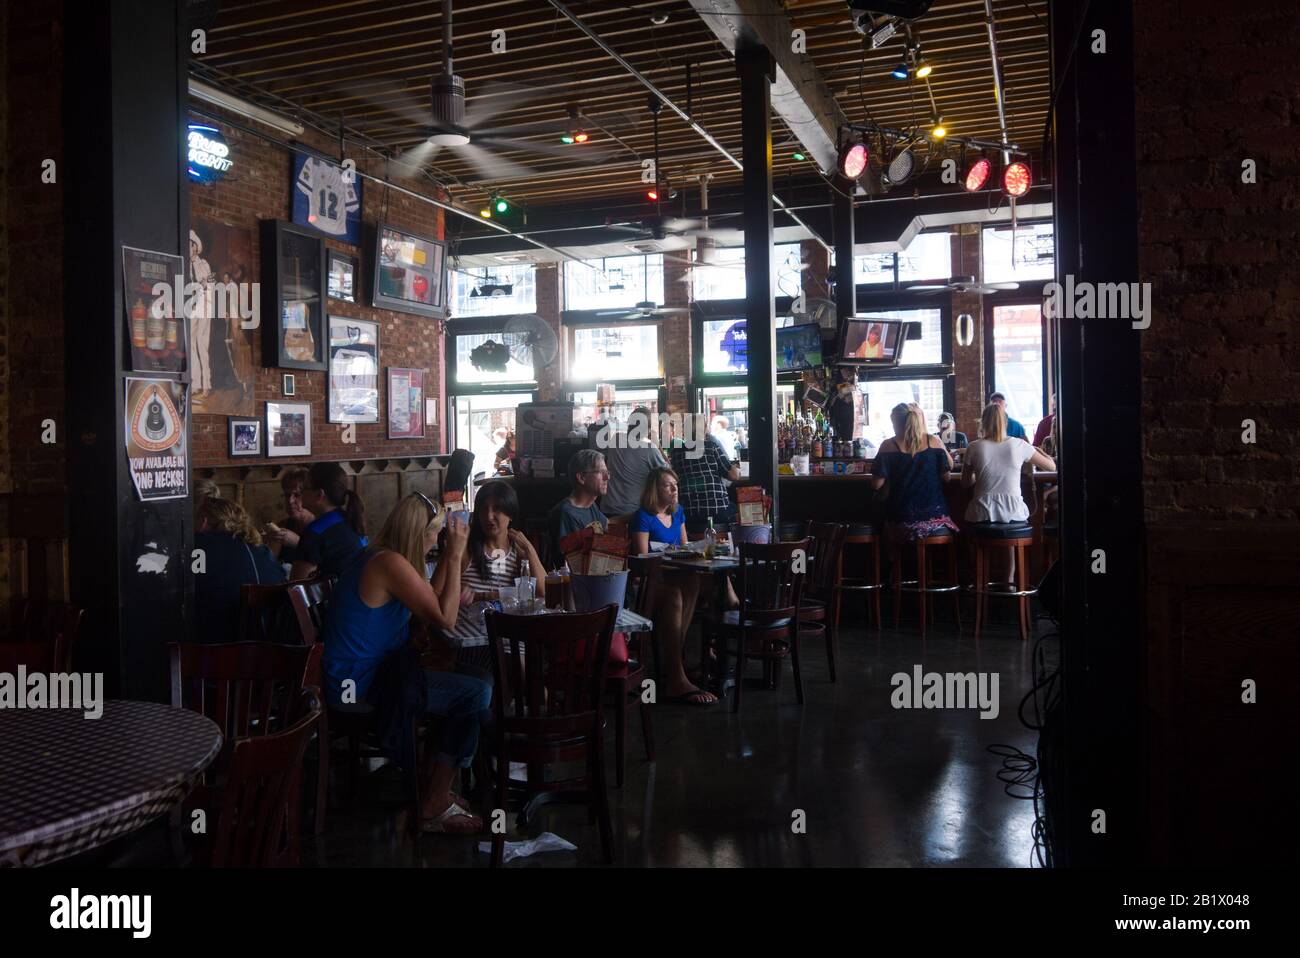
(702, 466)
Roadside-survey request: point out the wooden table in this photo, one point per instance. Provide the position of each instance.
(69, 784)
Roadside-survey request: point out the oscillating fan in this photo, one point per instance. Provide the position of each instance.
(531, 342)
(816, 310)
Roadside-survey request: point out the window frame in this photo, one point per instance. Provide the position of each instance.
(1021, 224)
(477, 326)
(465, 271)
(1029, 294)
(591, 264)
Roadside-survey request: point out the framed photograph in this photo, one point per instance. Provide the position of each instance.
(288, 429)
(152, 283)
(287, 386)
(342, 276)
(354, 370)
(245, 437)
(222, 319)
(410, 273)
(293, 296)
(327, 198)
(405, 403)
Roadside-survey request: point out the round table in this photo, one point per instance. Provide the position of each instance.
(69, 783)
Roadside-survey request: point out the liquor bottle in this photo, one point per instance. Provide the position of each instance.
(710, 540)
(817, 448)
(138, 313)
(155, 334)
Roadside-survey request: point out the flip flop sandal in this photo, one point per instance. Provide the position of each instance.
(691, 698)
(438, 826)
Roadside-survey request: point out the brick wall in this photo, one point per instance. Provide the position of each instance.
(677, 332)
(1220, 254)
(968, 361)
(258, 188)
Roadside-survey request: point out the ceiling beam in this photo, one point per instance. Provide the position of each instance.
(799, 95)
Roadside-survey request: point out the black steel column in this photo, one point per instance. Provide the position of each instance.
(842, 231)
(757, 70)
(1099, 400)
(124, 113)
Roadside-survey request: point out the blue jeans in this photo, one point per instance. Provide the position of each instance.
(461, 700)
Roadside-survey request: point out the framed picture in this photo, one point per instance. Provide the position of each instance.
(354, 370)
(156, 321)
(288, 429)
(245, 437)
(410, 273)
(287, 386)
(405, 403)
(342, 276)
(293, 296)
(222, 320)
(327, 198)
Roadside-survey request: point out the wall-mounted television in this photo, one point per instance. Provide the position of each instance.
(410, 273)
(798, 347)
(865, 341)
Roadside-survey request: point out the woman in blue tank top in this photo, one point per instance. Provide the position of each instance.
(370, 612)
(916, 466)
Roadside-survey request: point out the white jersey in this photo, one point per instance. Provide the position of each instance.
(330, 199)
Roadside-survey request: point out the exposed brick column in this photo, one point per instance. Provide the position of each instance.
(816, 277)
(968, 361)
(550, 298)
(677, 330)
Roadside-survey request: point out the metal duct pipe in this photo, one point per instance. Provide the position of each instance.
(641, 78)
(997, 77)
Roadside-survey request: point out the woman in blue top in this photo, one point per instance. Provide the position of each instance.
(915, 464)
(337, 536)
(662, 519)
(369, 613)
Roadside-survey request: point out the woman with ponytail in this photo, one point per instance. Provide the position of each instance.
(334, 540)
(915, 465)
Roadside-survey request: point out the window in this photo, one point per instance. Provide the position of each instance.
(494, 290)
(926, 351)
(723, 277)
(489, 369)
(614, 281)
(929, 256)
(625, 400)
(609, 353)
(874, 268)
(882, 395)
(1018, 361)
(479, 421)
(1026, 253)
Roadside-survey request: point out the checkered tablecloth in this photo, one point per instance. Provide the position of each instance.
(471, 630)
(69, 784)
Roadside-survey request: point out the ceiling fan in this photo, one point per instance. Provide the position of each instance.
(962, 284)
(644, 310)
(448, 124)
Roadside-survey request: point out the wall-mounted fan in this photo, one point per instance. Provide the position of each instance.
(531, 342)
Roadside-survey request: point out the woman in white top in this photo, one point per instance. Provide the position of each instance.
(496, 549)
(992, 465)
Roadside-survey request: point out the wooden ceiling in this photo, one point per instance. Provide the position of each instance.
(371, 61)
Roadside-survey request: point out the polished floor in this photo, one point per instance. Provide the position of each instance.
(877, 786)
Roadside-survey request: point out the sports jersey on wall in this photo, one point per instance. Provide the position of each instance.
(323, 198)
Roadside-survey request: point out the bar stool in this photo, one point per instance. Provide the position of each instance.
(859, 534)
(923, 585)
(1016, 537)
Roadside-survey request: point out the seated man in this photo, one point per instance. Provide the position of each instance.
(590, 478)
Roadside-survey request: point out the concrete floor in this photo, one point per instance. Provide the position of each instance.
(878, 786)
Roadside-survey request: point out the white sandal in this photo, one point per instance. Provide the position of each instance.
(438, 826)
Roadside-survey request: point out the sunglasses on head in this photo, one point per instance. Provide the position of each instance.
(429, 504)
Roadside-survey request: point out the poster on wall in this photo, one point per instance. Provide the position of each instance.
(353, 370)
(155, 438)
(327, 197)
(410, 272)
(221, 261)
(154, 309)
(405, 403)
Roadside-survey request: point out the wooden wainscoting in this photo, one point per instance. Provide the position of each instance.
(34, 554)
(1223, 606)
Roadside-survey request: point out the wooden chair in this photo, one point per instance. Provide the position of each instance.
(266, 613)
(549, 707)
(767, 624)
(38, 656)
(260, 792)
(248, 689)
(625, 680)
(819, 588)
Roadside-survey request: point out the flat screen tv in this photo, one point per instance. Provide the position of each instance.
(871, 342)
(798, 347)
(410, 273)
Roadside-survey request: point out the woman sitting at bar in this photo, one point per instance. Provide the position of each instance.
(993, 464)
(661, 519)
(233, 556)
(496, 549)
(369, 617)
(331, 542)
(916, 466)
(703, 466)
(283, 538)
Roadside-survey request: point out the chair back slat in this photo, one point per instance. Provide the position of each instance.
(828, 543)
(644, 574)
(771, 580)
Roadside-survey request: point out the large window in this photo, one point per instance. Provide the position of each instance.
(610, 353)
(927, 257)
(486, 365)
(1017, 348)
(482, 422)
(874, 268)
(723, 277)
(625, 400)
(614, 281)
(1025, 253)
(502, 290)
(882, 395)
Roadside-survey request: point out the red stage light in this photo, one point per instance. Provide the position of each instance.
(853, 160)
(978, 174)
(580, 137)
(652, 194)
(1016, 179)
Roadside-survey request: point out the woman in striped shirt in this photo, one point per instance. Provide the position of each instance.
(496, 549)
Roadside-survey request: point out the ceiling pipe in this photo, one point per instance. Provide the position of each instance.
(998, 93)
(705, 134)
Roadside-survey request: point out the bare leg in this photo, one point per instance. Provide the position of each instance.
(677, 606)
